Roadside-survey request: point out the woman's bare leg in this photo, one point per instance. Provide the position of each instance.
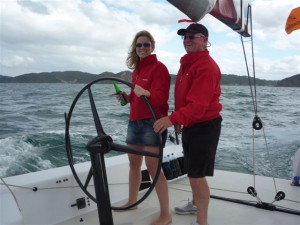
(135, 163)
(161, 189)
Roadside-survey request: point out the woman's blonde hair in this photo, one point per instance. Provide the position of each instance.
(133, 59)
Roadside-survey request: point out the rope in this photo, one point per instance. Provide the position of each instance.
(271, 164)
(254, 96)
(8, 187)
(218, 189)
(170, 187)
(254, 102)
(221, 189)
(48, 188)
(253, 157)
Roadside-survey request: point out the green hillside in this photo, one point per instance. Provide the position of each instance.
(76, 77)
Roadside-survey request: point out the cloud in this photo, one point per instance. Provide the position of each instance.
(94, 36)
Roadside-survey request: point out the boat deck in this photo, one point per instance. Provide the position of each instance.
(220, 211)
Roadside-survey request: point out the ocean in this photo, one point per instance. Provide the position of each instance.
(32, 127)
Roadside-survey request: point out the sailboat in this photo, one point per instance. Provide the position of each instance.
(90, 192)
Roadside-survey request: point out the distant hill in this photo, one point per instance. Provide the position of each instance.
(229, 79)
(4, 79)
(293, 81)
(76, 77)
(73, 77)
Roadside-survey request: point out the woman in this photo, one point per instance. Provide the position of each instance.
(151, 79)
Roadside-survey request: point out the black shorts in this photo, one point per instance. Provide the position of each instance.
(200, 143)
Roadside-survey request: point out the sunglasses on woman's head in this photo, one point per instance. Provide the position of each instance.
(146, 45)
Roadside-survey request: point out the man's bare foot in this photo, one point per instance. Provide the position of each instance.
(163, 220)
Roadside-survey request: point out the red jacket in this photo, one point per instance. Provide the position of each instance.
(197, 90)
(153, 76)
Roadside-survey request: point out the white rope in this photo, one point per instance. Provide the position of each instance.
(269, 156)
(170, 187)
(8, 187)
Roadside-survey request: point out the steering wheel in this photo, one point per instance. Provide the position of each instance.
(103, 143)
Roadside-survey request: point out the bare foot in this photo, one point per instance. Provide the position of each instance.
(163, 220)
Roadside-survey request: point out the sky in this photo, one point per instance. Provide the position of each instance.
(94, 36)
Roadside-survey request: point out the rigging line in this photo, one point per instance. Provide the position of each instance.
(254, 99)
(122, 183)
(253, 157)
(269, 156)
(253, 63)
(290, 200)
(7, 186)
(249, 80)
(12, 185)
(247, 202)
(48, 188)
(212, 188)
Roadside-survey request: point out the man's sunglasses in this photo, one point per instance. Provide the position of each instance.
(191, 37)
(146, 45)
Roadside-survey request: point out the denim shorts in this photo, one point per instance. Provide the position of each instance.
(141, 132)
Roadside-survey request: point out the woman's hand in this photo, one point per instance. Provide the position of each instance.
(126, 96)
(139, 91)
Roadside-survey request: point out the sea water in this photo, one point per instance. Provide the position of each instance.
(32, 126)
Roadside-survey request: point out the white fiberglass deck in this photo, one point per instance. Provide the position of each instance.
(220, 212)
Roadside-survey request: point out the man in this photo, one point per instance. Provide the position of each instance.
(197, 109)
